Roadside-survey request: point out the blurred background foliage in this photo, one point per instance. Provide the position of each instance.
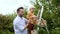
(51, 14)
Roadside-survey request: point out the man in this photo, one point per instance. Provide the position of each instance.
(20, 23)
(32, 20)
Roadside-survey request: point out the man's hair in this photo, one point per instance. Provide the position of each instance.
(19, 9)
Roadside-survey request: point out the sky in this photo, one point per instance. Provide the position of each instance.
(9, 6)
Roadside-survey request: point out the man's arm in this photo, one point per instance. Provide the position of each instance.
(27, 22)
(25, 26)
(20, 26)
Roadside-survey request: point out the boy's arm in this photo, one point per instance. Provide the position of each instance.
(28, 15)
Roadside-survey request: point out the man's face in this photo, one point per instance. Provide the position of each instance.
(21, 12)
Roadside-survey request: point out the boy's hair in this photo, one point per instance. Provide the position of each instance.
(19, 9)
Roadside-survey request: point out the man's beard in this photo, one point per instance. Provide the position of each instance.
(21, 15)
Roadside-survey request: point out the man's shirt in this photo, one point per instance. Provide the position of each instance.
(19, 25)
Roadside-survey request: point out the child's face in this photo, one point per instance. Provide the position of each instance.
(32, 9)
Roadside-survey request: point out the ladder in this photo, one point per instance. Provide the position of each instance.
(39, 19)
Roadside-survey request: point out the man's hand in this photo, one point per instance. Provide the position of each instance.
(26, 24)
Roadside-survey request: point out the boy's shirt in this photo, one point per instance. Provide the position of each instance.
(29, 15)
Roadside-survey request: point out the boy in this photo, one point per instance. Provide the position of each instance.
(32, 20)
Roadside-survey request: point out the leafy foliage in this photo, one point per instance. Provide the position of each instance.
(51, 12)
(6, 24)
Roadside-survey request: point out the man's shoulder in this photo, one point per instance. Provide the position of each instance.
(24, 18)
(16, 19)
